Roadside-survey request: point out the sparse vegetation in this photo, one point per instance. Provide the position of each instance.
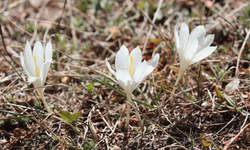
(208, 109)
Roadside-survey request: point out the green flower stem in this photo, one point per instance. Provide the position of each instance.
(41, 93)
(128, 111)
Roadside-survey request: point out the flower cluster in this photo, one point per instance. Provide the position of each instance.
(130, 69)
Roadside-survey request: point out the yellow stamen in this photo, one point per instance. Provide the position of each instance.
(37, 68)
(131, 71)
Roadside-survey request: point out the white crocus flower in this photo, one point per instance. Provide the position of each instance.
(131, 71)
(36, 65)
(192, 47)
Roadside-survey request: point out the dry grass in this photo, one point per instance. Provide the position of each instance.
(84, 33)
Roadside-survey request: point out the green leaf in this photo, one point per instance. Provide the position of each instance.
(152, 98)
(75, 116)
(229, 107)
(229, 100)
(57, 107)
(189, 97)
(75, 111)
(192, 143)
(90, 87)
(140, 102)
(159, 95)
(145, 99)
(243, 112)
(214, 70)
(66, 116)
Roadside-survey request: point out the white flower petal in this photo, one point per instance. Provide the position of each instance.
(37, 82)
(208, 40)
(109, 67)
(44, 71)
(48, 52)
(23, 64)
(191, 49)
(203, 54)
(137, 56)
(176, 38)
(122, 59)
(198, 32)
(154, 61)
(151, 66)
(180, 49)
(125, 81)
(141, 73)
(32, 79)
(38, 53)
(29, 60)
(183, 33)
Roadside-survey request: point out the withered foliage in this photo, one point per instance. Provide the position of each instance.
(84, 33)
